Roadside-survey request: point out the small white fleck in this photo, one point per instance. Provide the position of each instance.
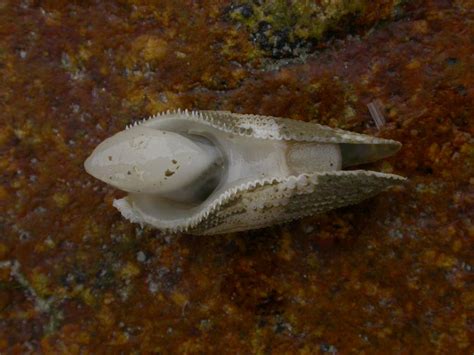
(163, 98)
(180, 55)
(49, 242)
(153, 287)
(75, 108)
(141, 257)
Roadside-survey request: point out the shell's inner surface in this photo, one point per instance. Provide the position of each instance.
(357, 154)
(317, 157)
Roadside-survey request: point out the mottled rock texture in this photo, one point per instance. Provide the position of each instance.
(391, 275)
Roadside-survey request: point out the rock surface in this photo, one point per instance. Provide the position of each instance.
(393, 274)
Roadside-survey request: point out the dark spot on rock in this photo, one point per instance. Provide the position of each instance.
(246, 11)
(104, 278)
(110, 158)
(174, 161)
(243, 11)
(326, 348)
(270, 304)
(452, 61)
(427, 170)
(264, 26)
(280, 327)
(129, 172)
(461, 90)
(168, 173)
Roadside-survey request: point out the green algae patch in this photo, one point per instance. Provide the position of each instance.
(288, 28)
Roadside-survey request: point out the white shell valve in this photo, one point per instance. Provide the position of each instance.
(147, 160)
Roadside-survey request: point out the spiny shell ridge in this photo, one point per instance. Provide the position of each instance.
(268, 127)
(256, 202)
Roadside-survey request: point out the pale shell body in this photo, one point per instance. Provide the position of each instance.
(274, 170)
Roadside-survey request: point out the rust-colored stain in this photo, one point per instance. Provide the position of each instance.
(391, 275)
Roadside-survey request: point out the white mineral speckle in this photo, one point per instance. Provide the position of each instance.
(141, 257)
(153, 287)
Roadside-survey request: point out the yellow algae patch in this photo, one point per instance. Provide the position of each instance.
(150, 47)
(286, 251)
(414, 64)
(161, 102)
(3, 251)
(84, 53)
(3, 193)
(40, 283)
(61, 199)
(106, 317)
(130, 270)
(120, 338)
(446, 261)
(87, 296)
(179, 298)
(421, 27)
(5, 134)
